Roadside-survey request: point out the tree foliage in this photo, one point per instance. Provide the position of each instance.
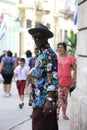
(71, 43)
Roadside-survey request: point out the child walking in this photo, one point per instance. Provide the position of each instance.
(21, 72)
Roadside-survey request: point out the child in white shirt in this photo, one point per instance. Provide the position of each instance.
(21, 71)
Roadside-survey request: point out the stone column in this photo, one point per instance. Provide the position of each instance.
(79, 96)
(21, 35)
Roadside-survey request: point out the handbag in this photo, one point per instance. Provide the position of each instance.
(72, 87)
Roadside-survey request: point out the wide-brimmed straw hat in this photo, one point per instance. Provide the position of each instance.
(41, 28)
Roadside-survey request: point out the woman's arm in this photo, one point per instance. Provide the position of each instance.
(74, 67)
(1, 66)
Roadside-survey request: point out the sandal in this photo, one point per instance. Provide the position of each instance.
(65, 117)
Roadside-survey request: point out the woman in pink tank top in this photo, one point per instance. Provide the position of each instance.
(66, 63)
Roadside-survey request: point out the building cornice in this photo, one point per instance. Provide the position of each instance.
(8, 2)
(24, 6)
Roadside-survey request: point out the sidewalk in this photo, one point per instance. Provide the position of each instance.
(13, 118)
(63, 124)
(10, 114)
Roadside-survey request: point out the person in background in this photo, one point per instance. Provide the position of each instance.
(28, 54)
(33, 59)
(32, 65)
(44, 81)
(7, 70)
(21, 71)
(16, 58)
(4, 53)
(66, 63)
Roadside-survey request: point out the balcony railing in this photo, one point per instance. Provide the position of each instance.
(66, 13)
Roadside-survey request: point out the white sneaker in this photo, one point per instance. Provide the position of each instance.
(5, 94)
(8, 95)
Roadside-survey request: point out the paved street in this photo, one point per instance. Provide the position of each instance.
(13, 118)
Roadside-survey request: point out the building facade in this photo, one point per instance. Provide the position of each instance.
(9, 12)
(56, 14)
(79, 96)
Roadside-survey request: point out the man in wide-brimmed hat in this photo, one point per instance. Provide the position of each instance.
(40, 27)
(44, 81)
(40, 34)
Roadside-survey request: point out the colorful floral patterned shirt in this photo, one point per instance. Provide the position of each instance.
(44, 78)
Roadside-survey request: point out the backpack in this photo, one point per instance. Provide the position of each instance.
(8, 67)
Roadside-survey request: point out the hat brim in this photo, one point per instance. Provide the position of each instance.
(47, 33)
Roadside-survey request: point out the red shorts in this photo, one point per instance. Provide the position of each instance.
(21, 86)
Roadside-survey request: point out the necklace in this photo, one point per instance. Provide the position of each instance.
(63, 65)
(62, 58)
